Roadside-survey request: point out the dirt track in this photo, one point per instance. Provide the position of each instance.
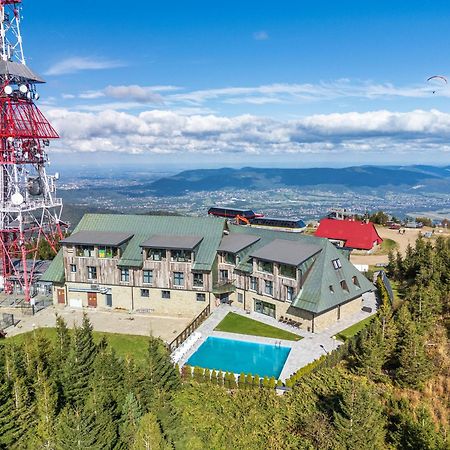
(402, 240)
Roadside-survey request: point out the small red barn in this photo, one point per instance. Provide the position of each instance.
(350, 233)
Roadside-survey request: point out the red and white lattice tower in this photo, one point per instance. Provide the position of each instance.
(29, 209)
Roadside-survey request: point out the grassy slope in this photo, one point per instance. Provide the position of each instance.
(235, 323)
(351, 331)
(123, 344)
(386, 246)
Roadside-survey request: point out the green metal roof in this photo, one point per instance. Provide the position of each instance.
(143, 227)
(315, 295)
(55, 271)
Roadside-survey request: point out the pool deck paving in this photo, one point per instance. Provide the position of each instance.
(303, 352)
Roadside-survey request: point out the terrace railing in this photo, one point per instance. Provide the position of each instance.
(189, 329)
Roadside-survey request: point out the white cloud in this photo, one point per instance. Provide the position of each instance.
(163, 131)
(80, 63)
(276, 93)
(260, 35)
(306, 92)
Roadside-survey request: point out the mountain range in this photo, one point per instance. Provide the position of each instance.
(419, 178)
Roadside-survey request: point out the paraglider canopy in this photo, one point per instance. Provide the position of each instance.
(437, 80)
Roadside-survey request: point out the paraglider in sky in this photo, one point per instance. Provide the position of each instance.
(437, 80)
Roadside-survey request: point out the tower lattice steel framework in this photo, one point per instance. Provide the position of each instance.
(30, 212)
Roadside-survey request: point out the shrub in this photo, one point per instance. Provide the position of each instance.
(241, 381)
(265, 382)
(248, 381)
(186, 372)
(256, 381)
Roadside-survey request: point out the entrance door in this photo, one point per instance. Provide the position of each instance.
(92, 299)
(108, 299)
(61, 296)
(224, 298)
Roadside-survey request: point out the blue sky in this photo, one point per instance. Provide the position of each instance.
(282, 83)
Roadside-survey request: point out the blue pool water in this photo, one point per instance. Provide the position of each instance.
(238, 356)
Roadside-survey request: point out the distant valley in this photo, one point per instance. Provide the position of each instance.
(305, 193)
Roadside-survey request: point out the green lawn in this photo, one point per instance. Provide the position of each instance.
(351, 331)
(123, 344)
(235, 323)
(386, 246)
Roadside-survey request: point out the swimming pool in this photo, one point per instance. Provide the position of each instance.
(239, 356)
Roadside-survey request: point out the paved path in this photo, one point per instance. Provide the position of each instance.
(308, 349)
(167, 328)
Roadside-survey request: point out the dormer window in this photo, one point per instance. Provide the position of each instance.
(156, 254)
(337, 264)
(86, 251)
(356, 282)
(331, 288)
(344, 286)
(107, 252)
(180, 255)
(229, 258)
(288, 271)
(265, 266)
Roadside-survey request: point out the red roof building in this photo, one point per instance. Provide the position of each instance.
(350, 233)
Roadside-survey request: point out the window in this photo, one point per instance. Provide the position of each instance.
(92, 272)
(178, 278)
(124, 275)
(223, 275)
(268, 287)
(229, 258)
(201, 297)
(264, 308)
(145, 293)
(289, 293)
(147, 276)
(238, 259)
(73, 268)
(106, 252)
(156, 254)
(108, 299)
(356, 282)
(265, 266)
(344, 286)
(288, 271)
(198, 279)
(180, 255)
(253, 283)
(240, 297)
(336, 264)
(165, 294)
(85, 251)
(331, 288)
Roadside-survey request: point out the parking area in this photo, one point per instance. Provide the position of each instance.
(167, 328)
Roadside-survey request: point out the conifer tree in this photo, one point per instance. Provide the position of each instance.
(46, 411)
(80, 364)
(74, 431)
(131, 414)
(62, 344)
(414, 365)
(359, 421)
(149, 435)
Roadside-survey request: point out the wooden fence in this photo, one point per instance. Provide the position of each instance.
(189, 329)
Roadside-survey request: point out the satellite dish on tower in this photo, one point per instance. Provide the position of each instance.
(17, 198)
(23, 88)
(8, 90)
